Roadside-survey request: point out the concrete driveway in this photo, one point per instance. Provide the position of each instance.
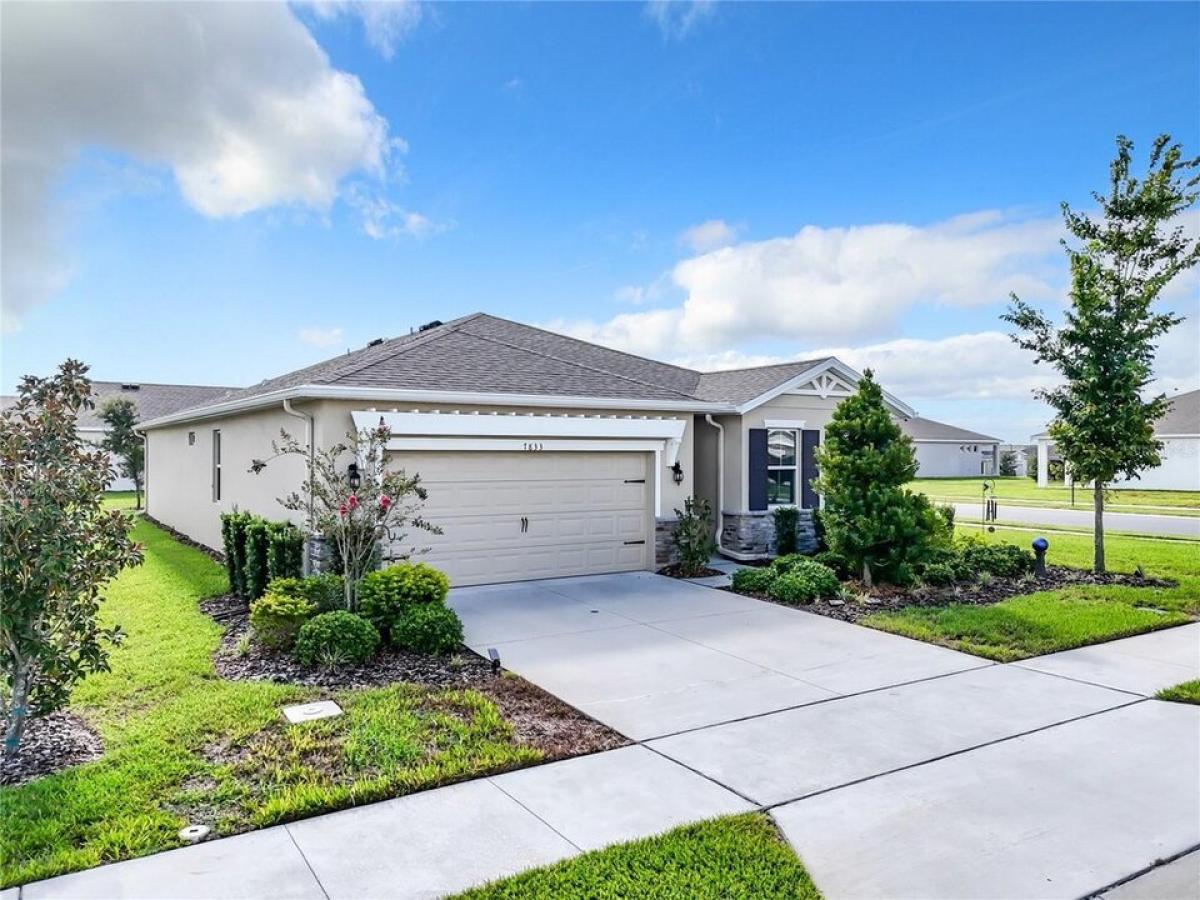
(895, 768)
(652, 656)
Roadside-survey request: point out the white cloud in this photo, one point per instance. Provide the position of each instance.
(677, 18)
(838, 284)
(710, 235)
(382, 219)
(633, 294)
(386, 23)
(236, 99)
(322, 337)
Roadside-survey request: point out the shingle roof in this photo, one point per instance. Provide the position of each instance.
(151, 400)
(480, 353)
(919, 429)
(1183, 417)
(740, 385)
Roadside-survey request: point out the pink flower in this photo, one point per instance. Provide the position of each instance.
(385, 501)
(353, 501)
(342, 510)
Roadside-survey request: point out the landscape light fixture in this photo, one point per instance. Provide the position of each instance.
(494, 656)
(1040, 546)
(353, 476)
(677, 472)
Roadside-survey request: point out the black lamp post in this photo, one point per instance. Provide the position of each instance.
(353, 477)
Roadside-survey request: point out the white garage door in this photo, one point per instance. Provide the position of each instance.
(514, 516)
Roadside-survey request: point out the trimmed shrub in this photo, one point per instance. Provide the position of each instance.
(285, 551)
(427, 628)
(693, 536)
(324, 591)
(276, 618)
(753, 581)
(804, 582)
(786, 520)
(834, 561)
(939, 574)
(233, 540)
(1005, 560)
(384, 594)
(254, 572)
(336, 638)
(946, 511)
(781, 565)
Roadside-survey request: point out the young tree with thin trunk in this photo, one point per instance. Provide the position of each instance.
(1104, 425)
(58, 547)
(122, 441)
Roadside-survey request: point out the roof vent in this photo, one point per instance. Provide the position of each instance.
(375, 343)
(434, 324)
(131, 387)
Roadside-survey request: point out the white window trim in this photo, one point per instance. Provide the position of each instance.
(798, 436)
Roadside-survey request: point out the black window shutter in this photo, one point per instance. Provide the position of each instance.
(809, 440)
(757, 456)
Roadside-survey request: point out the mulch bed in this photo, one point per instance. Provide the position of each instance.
(672, 571)
(886, 597)
(539, 719)
(51, 743)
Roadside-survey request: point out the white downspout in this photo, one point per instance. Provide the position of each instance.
(720, 476)
(309, 427)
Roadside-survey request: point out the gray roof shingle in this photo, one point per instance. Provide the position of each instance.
(741, 385)
(151, 400)
(919, 428)
(1183, 417)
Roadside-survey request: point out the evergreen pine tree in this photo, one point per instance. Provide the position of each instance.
(881, 528)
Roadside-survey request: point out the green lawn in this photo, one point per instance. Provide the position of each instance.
(120, 499)
(1018, 490)
(185, 746)
(1049, 621)
(1188, 692)
(734, 857)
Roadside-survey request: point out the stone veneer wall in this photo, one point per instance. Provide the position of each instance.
(751, 535)
(664, 542)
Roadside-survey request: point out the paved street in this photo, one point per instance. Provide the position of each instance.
(1141, 523)
(894, 768)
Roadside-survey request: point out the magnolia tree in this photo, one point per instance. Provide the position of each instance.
(58, 547)
(380, 507)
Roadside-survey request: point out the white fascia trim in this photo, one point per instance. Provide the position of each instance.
(392, 395)
(524, 425)
(1177, 435)
(793, 424)
(955, 441)
(833, 364)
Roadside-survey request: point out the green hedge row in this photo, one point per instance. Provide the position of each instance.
(257, 550)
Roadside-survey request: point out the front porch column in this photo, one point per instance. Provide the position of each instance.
(1043, 450)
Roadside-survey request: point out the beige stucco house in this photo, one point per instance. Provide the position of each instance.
(543, 455)
(947, 451)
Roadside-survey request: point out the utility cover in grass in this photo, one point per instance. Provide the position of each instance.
(309, 712)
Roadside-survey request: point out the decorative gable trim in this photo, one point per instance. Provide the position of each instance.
(839, 377)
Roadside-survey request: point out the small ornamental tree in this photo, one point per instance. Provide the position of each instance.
(385, 502)
(1008, 462)
(122, 441)
(880, 528)
(58, 547)
(1104, 351)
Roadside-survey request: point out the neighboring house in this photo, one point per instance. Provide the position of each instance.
(1022, 454)
(152, 401)
(1178, 429)
(946, 451)
(543, 455)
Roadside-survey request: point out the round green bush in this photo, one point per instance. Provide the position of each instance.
(752, 580)
(805, 582)
(324, 591)
(276, 618)
(834, 561)
(783, 564)
(939, 574)
(427, 628)
(1006, 560)
(336, 638)
(383, 595)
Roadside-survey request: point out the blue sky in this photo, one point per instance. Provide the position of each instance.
(714, 184)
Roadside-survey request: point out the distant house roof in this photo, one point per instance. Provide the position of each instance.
(921, 429)
(1183, 417)
(481, 354)
(151, 400)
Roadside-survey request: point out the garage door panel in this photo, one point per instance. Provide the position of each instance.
(585, 512)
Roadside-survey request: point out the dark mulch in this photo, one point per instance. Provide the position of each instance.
(672, 571)
(214, 555)
(886, 597)
(540, 719)
(51, 743)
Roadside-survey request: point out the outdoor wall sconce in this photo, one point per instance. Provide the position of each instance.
(353, 477)
(677, 472)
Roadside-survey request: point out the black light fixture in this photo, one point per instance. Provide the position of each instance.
(353, 477)
(494, 656)
(677, 472)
